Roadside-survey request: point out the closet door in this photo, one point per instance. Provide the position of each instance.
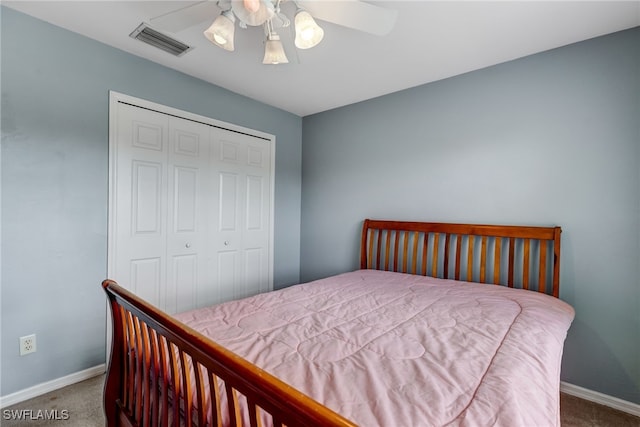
(188, 193)
(242, 219)
(161, 213)
(139, 202)
(190, 208)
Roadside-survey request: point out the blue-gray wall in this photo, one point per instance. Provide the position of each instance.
(552, 138)
(55, 99)
(549, 139)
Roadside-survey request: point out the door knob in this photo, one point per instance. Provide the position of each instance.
(226, 243)
(188, 245)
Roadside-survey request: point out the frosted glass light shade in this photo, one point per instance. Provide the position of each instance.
(274, 52)
(259, 16)
(308, 33)
(251, 5)
(222, 30)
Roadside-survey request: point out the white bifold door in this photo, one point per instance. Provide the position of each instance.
(190, 208)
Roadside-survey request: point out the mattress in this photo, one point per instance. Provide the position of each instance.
(393, 349)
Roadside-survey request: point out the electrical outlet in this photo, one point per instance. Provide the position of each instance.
(27, 344)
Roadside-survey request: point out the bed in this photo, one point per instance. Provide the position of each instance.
(442, 324)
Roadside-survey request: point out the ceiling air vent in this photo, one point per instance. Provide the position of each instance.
(155, 38)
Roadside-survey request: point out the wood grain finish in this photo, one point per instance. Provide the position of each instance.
(514, 256)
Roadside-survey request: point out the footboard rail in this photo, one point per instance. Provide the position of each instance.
(163, 373)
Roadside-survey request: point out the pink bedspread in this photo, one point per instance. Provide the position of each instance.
(392, 349)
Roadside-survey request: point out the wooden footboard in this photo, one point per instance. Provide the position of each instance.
(164, 373)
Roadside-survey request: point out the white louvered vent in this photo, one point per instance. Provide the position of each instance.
(155, 38)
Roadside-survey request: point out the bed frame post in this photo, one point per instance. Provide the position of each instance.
(113, 383)
(556, 261)
(363, 245)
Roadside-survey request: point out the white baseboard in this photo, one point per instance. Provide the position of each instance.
(602, 399)
(40, 389)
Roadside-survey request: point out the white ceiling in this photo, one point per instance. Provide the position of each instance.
(431, 41)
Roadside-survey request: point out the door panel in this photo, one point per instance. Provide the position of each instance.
(255, 278)
(244, 211)
(145, 278)
(188, 163)
(147, 134)
(185, 282)
(228, 202)
(146, 187)
(255, 202)
(185, 204)
(257, 209)
(140, 202)
(227, 275)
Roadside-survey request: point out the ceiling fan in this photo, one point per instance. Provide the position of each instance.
(354, 14)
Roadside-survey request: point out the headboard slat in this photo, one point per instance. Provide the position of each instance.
(496, 260)
(370, 236)
(434, 259)
(445, 268)
(458, 252)
(525, 264)
(476, 246)
(543, 268)
(425, 246)
(379, 251)
(396, 252)
(470, 258)
(387, 251)
(416, 237)
(483, 260)
(512, 245)
(405, 252)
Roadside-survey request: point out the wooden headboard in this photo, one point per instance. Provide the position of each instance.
(515, 256)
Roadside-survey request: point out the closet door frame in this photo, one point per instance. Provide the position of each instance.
(114, 99)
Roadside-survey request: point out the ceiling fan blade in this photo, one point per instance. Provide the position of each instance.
(354, 14)
(186, 17)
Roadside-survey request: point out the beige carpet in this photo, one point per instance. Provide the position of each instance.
(82, 403)
(576, 412)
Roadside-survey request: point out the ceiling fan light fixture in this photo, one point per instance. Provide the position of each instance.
(308, 32)
(355, 14)
(274, 51)
(221, 32)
